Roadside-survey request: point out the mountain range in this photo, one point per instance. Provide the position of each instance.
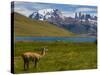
(56, 17)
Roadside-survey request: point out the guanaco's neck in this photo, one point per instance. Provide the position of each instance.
(43, 52)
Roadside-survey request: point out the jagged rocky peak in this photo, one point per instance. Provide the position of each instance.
(45, 14)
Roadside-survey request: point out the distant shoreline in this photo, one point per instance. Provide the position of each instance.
(57, 39)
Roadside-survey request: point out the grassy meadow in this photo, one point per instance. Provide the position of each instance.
(61, 56)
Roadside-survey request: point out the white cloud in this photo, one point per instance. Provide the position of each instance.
(32, 5)
(18, 2)
(23, 11)
(86, 9)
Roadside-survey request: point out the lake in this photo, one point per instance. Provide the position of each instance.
(66, 39)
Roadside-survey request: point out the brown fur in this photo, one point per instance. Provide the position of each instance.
(33, 56)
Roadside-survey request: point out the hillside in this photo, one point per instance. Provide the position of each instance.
(24, 26)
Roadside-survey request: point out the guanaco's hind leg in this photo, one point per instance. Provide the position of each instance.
(24, 66)
(36, 62)
(26, 63)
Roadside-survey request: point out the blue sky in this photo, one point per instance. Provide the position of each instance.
(27, 8)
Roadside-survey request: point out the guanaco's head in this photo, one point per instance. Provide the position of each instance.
(44, 50)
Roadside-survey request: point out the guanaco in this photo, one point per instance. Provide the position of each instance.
(32, 56)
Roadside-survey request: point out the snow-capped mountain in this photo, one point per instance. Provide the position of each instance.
(57, 18)
(46, 14)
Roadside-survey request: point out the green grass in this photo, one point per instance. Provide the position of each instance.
(61, 56)
(24, 26)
